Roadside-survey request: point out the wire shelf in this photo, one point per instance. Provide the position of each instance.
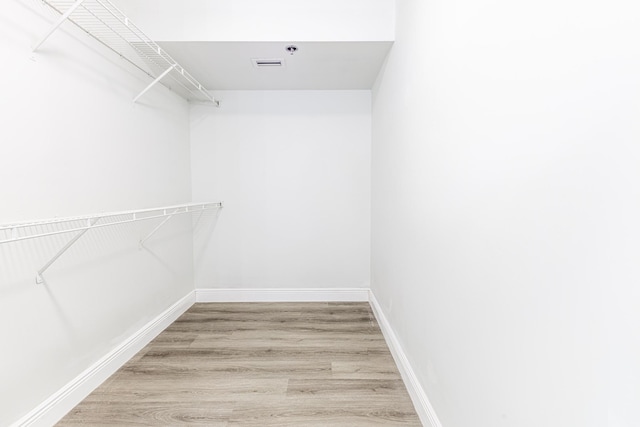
(79, 225)
(107, 24)
(42, 228)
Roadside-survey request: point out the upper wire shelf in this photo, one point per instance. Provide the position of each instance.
(106, 23)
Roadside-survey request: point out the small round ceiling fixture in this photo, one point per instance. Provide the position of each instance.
(292, 48)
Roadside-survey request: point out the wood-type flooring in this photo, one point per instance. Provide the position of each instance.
(257, 364)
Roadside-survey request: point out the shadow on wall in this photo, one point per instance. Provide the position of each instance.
(55, 52)
(90, 270)
(203, 226)
(98, 269)
(21, 260)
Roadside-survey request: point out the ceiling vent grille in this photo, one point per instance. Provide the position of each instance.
(267, 63)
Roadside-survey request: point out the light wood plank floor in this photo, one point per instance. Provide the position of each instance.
(257, 364)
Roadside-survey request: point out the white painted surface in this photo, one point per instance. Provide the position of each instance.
(282, 295)
(342, 43)
(258, 20)
(505, 209)
(293, 170)
(419, 398)
(53, 409)
(73, 143)
(315, 66)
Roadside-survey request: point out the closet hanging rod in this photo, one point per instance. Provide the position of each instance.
(20, 231)
(103, 21)
(31, 230)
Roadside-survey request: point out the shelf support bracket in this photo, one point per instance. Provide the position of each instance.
(153, 83)
(90, 223)
(158, 227)
(63, 18)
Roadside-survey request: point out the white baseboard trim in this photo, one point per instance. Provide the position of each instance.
(55, 407)
(282, 295)
(420, 400)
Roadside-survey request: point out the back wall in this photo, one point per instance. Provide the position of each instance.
(293, 168)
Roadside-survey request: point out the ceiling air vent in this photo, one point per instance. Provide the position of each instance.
(267, 63)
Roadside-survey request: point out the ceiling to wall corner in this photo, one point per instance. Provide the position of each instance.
(314, 66)
(342, 44)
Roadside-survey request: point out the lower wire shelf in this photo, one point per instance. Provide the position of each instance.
(10, 233)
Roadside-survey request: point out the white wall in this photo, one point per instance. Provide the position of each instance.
(258, 20)
(293, 168)
(73, 143)
(505, 194)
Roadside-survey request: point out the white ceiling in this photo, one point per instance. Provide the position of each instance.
(315, 66)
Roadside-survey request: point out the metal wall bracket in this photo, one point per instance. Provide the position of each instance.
(60, 21)
(107, 24)
(90, 223)
(11, 233)
(153, 83)
(158, 227)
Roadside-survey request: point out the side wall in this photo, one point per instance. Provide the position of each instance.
(73, 143)
(505, 206)
(293, 168)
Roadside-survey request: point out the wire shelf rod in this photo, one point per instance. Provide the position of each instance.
(111, 31)
(103, 21)
(60, 21)
(158, 227)
(167, 213)
(153, 47)
(90, 223)
(153, 83)
(135, 214)
(139, 34)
